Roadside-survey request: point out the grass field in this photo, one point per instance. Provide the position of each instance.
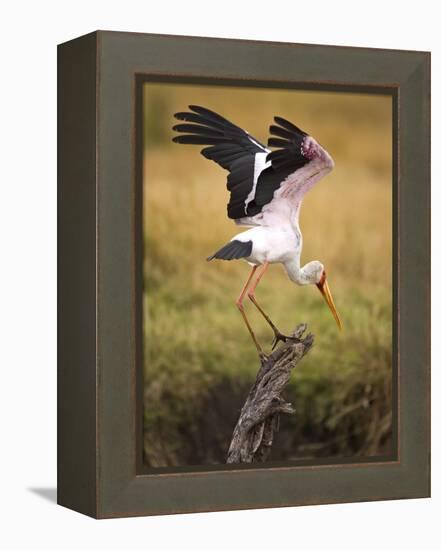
(199, 359)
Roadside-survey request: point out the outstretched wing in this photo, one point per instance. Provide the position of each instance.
(298, 162)
(231, 147)
(260, 181)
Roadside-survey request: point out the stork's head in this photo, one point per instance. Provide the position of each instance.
(315, 273)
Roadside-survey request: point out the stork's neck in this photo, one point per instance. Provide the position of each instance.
(296, 273)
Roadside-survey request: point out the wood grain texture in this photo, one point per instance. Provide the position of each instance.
(259, 418)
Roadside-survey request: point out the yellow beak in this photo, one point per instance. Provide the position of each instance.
(326, 292)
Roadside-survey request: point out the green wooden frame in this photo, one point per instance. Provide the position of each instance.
(100, 469)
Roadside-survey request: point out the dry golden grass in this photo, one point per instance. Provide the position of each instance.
(194, 336)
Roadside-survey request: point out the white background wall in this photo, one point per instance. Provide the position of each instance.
(29, 34)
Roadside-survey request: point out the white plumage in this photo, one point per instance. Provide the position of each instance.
(267, 188)
(278, 238)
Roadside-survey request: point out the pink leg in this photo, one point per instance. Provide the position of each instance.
(277, 334)
(239, 304)
(252, 296)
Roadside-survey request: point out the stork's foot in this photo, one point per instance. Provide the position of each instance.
(263, 357)
(279, 337)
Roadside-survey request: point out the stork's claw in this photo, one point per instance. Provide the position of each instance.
(279, 337)
(263, 357)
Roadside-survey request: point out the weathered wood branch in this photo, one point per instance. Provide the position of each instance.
(259, 418)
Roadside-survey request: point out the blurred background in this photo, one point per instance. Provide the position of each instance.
(199, 359)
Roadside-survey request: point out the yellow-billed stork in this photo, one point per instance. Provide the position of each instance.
(266, 191)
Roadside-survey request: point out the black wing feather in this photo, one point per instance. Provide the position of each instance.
(195, 139)
(235, 150)
(277, 142)
(234, 250)
(198, 129)
(285, 159)
(289, 126)
(289, 149)
(229, 146)
(198, 119)
(217, 131)
(280, 132)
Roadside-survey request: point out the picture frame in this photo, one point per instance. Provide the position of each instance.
(100, 470)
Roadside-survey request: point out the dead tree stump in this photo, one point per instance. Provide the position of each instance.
(259, 418)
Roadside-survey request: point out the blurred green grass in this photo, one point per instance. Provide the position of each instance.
(199, 359)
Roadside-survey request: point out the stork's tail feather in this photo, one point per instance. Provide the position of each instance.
(233, 251)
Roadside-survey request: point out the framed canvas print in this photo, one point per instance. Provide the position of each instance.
(244, 274)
